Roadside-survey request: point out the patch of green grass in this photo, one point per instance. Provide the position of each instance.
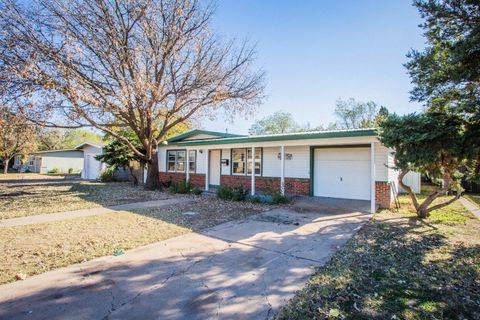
(26, 200)
(398, 266)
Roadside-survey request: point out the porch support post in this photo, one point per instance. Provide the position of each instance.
(282, 170)
(186, 164)
(252, 189)
(207, 165)
(372, 178)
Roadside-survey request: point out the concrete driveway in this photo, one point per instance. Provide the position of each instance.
(242, 269)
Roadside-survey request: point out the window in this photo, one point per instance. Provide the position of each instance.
(176, 161)
(192, 155)
(258, 161)
(242, 159)
(238, 161)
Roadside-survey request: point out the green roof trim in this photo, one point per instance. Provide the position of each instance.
(195, 132)
(283, 137)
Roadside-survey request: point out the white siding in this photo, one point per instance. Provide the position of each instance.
(381, 162)
(162, 159)
(62, 160)
(201, 160)
(271, 164)
(226, 156)
(298, 167)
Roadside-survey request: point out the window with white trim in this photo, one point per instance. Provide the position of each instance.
(238, 161)
(242, 161)
(176, 160)
(192, 163)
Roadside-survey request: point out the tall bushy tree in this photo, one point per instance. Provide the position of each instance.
(54, 139)
(117, 154)
(446, 74)
(17, 136)
(147, 65)
(432, 143)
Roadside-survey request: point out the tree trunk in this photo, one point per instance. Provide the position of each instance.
(5, 165)
(134, 177)
(153, 181)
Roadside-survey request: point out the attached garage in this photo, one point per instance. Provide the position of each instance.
(342, 173)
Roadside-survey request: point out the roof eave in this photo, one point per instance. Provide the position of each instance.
(322, 135)
(197, 131)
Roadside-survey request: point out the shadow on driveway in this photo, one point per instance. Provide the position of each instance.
(244, 269)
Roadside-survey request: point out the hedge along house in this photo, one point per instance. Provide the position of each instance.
(347, 164)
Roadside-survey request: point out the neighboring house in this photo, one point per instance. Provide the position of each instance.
(45, 161)
(348, 164)
(80, 159)
(92, 168)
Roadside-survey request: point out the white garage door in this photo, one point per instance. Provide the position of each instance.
(342, 173)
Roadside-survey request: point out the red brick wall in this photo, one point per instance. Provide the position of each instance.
(294, 186)
(382, 194)
(167, 178)
(197, 179)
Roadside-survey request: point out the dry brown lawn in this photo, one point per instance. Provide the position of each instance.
(18, 200)
(33, 249)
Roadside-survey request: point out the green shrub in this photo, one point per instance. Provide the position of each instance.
(239, 194)
(172, 188)
(54, 171)
(183, 187)
(225, 193)
(278, 198)
(107, 175)
(235, 194)
(70, 170)
(196, 191)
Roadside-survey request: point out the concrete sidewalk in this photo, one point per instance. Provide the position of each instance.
(471, 207)
(244, 269)
(21, 221)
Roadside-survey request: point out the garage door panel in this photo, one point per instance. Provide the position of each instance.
(342, 173)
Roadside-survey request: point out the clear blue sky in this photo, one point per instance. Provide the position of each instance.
(315, 52)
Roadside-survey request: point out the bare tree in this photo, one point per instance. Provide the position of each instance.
(147, 65)
(17, 136)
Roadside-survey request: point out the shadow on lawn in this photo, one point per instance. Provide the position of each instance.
(390, 272)
(201, 278)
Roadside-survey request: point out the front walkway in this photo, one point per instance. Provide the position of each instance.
(471, 207)
(243, 269)
(21, 221)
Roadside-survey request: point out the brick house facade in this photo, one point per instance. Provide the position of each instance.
(336, 164)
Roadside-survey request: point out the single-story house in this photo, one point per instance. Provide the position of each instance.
(79, 159)
(46, 161)
(348, 164)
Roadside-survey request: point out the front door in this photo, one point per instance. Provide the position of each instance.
(214, 168)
